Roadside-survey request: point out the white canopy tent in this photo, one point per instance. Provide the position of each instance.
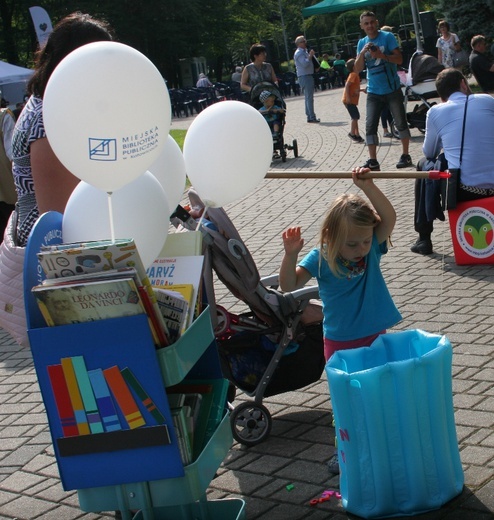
(13, 82)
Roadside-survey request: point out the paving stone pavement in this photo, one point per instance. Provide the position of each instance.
(433, 294)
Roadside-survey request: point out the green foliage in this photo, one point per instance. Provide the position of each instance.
(179, 136)
(468, 18)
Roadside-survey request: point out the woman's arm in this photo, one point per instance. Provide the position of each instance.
(244, 79)
(381, 204)
(53, 183)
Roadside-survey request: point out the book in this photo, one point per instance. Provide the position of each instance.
(179, 270)
(187, 243)
(183, 440)
(82, 258)
(92, 301)
(175, 310)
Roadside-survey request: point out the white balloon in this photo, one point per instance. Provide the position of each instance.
(169, 169)
(107, 114)
(140, 211)
(227, 150)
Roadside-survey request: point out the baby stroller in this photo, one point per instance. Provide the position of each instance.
(418, 84)
(275, 346)
(279, 146)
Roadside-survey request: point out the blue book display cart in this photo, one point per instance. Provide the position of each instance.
(394, 417)
(113, 464)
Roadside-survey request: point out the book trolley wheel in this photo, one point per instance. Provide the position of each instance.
(251, 423)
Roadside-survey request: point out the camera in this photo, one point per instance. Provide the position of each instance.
(373, 48)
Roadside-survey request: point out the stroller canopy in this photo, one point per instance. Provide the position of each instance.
(423, 67)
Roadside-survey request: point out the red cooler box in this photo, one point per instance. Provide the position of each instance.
(472, 231)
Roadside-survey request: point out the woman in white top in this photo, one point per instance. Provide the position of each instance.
(447, 44)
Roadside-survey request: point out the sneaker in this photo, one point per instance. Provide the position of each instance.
(404, 162)
(359, 139)
(333, 465)
(423, 246)
(372, 164)
(313, 120)
(388, 134)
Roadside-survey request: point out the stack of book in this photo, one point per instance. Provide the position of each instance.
(197, 409)
(96, 280)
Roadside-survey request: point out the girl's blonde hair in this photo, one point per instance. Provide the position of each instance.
(346, 210)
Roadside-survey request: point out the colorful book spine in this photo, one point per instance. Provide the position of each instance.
(106, 407)
(62, 400)
(88, 399)
(142, 395)
(124, 398)
(75, 396)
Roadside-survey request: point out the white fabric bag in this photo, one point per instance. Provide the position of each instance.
(12, 310)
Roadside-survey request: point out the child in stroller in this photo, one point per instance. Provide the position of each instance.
(270, 91)
(272, 113)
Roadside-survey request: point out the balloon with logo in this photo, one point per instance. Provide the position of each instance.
(228, 150)
(139, 210)
(107, 113)
(169, 169)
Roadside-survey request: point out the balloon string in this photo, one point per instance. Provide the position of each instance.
(202, 217)
(110, 211)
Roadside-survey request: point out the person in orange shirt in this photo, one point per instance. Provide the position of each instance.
(350, 99)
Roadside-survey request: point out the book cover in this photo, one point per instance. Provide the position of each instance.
(174, 309)
(180, 424)
(71, 259)
(187, 243)
(93, 301)
(179, 270)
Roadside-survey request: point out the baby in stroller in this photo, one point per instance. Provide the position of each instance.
(273, 113)
(267, 98)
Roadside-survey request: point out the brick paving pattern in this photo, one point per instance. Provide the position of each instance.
(432, 293)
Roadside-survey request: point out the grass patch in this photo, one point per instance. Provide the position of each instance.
(179, 136)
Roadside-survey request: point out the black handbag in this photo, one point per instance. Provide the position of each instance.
(450, 187)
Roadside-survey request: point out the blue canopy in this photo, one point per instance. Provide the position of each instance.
(337, 6)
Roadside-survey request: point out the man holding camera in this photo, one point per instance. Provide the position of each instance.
(379, 52)
(304, 63)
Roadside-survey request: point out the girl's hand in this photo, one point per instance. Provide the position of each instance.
(293, 241)
(358, 181)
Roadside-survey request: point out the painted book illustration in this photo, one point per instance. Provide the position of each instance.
(92, 301)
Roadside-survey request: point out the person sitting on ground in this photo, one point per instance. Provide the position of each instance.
(481, 66)
(444, 128)
(272, 113)
(350, 99)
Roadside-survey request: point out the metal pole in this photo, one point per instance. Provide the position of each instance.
(416, 24)
(287, 174)
(284, 36)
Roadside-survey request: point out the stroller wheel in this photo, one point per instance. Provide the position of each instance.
(295, 148)
(251, 423)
